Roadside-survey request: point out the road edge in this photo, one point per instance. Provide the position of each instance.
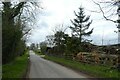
(76, 70)
(26, 74)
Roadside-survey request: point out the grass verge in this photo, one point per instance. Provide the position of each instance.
(93, 70)
(15, 69)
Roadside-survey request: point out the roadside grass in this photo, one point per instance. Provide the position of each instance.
(15, 69)
(94, 70)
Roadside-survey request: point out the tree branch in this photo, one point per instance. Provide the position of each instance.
(103, 12)
(16, 10)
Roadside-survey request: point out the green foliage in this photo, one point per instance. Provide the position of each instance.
(16, 68)
(71, 45)
(81, 25)
(58, 38)
(80, 28)
(39, 52)
(12, 43)
(59, 41)
(43, 47)
(32, 46)
(93, 70)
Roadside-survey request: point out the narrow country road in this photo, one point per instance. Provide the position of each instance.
(41, 68)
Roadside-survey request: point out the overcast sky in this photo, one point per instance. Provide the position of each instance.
(61, 11)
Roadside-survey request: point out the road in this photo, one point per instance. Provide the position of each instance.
(41, 68)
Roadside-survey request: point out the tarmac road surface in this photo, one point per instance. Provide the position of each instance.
(41, 68)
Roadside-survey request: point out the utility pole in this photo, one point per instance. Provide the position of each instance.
(102, 37)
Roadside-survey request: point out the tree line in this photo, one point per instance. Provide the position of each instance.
(14, 29)
(61, 43)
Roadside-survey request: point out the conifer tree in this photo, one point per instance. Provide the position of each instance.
(81, 25)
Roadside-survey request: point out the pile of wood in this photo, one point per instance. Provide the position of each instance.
(97, 58)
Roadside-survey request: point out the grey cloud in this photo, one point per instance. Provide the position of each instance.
(42, 24)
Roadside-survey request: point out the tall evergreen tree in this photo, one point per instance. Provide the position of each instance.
(81, 25)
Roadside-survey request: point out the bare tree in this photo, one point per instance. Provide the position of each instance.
(111, 10)
(107, 8)
(59, 27)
